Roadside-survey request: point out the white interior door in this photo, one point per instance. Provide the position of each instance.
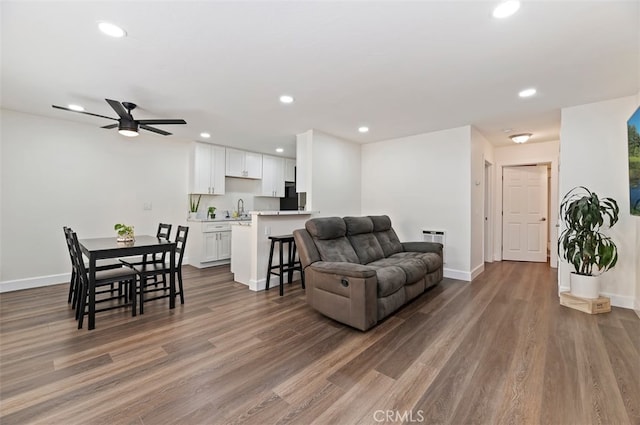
(524, 213)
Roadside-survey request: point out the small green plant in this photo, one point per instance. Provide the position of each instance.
(212, 212)
(124, 231)
(194, 204)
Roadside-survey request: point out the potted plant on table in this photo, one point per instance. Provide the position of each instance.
(211, 212)
(193, 206)
(125, 233)
(582, 244)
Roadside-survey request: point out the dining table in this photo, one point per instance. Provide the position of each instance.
(108, 248)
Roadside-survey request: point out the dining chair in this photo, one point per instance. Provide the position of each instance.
(74, 286)
(123, 276)
(163, 232)
(151, 269)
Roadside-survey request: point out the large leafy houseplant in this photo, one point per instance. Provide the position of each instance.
(582, 243)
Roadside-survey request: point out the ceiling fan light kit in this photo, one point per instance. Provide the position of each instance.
(127, 126)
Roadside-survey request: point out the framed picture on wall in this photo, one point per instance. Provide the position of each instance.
(633, 130)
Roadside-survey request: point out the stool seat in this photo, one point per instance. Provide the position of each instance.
(288, 266)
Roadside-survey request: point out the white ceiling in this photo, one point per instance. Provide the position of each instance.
(401, 68)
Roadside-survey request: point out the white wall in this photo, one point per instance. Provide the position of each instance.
(57, 173)
(637, 292)
(333, 188)
(528, 154)
(423, 182)
(481, 151)
(594, 153)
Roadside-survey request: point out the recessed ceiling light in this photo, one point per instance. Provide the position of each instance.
(205, 135)
(506, 9)
(527, 92)
(279, 150)
(363, 129)
(286, 98)
(76, 108)
(111, 30)
(520, 138)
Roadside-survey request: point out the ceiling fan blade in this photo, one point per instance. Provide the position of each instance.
(82, 112)
(117, 106)
(109, 126)
(161, 121)
(155, 130)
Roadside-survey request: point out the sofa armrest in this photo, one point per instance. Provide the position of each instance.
(344, 269)
(422, 247)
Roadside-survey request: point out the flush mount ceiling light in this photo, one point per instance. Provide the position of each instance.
(363, 129)
(205, 135)
(111, 30)
(527, 92)
(520, 138)
(285, 98)
(506, 9)
(279, 150)
(76, 108)
(128, 128)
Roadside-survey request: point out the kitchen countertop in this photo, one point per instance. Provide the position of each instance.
(291, 212)
(223, 220)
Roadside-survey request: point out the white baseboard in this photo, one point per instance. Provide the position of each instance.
(34, 282)
(261, 284)
(476, 272)
(457, 274)
(622, 301)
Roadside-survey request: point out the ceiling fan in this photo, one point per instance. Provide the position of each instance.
(127, 126)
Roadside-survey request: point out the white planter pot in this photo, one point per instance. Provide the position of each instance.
(193, 215)
(585, 286)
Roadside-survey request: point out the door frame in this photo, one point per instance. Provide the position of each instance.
(488, 219)
(553, 204)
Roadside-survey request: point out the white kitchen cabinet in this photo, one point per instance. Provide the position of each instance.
(243, 164)
(209, 244)
(272, 176)
(289, 170)
(207, 169)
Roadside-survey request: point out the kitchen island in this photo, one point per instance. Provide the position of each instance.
(250, 244)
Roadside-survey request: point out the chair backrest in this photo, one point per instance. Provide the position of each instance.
(164, 231)
(67, 238)
(181, 242)
(76, 257)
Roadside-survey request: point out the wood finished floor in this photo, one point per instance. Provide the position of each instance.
(500, 350)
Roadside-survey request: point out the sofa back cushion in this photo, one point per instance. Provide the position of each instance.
(365, 244)
(385, 235)
(329, 235)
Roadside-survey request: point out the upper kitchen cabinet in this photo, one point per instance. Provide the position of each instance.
(289, 170)
(243, 164)
(272, 176)
(207, 169)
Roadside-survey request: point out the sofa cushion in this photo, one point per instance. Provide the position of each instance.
(390, 303)
(326, 227)
(365, 244)
(385, 235)
(431, 260)
(413, 268)
(329, 235)
(390, 280)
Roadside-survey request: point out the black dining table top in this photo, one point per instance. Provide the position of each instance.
(141, 243)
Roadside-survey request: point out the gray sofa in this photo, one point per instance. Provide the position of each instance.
(358, 272)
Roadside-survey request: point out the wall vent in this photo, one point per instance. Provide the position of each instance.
(436, 236)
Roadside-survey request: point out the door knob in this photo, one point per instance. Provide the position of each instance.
(543, 219)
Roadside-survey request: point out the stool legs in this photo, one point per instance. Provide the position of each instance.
(273, 242)
(281, 269)
(284, 267)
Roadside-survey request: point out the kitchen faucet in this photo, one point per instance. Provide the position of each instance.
(240, 211)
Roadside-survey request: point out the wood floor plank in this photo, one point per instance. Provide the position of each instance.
(497, 350)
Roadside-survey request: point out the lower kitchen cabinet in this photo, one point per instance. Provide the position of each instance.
(211, 245)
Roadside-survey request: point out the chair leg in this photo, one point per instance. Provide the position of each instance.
(269, 264)
(72, 286)
(82, 300)
(133, 295)
(180, 285)
(143, 284)
(290, 261)
(281, 269)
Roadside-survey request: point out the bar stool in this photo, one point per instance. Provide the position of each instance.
(290, 266)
